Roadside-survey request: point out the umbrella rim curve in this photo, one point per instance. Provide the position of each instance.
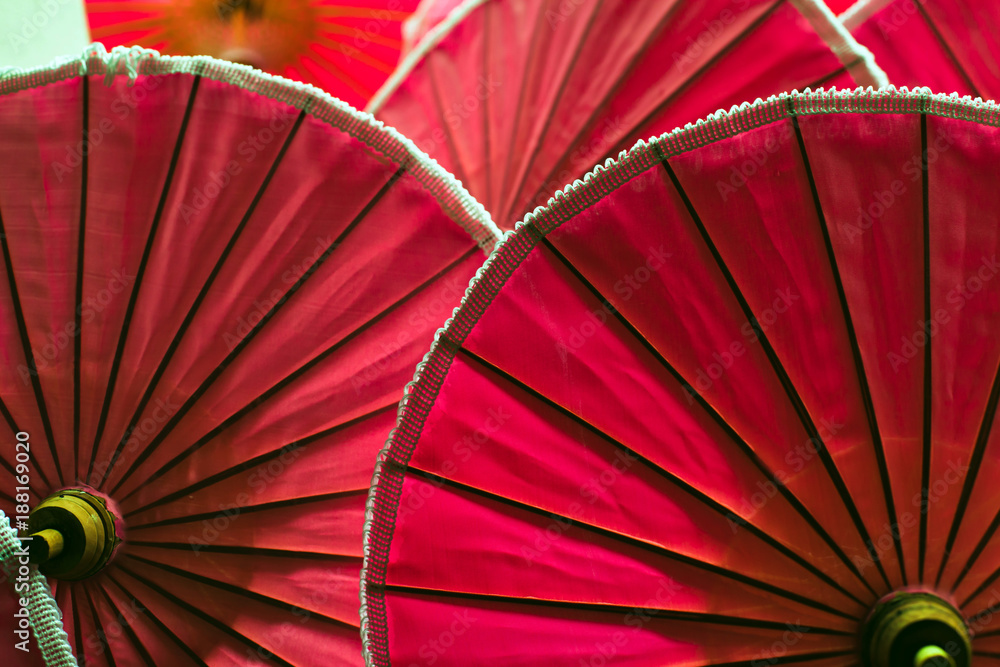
(420, 394)
(851, 53)
(454, 198)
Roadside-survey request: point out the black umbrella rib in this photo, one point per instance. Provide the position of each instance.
(143, 261)
(745, 447)
(239, 347)
(947, 49)
(80, 258)
(657, 613)
(843, 69)
(629, 540)
(127, 627)
(29, 355)
(859, 363)
(306, 367)
(81, 654)
(925, 474)
(780, 372)
(256, 552)
(158, 623)
(211, 620)
(531, 152)
(9, 418)
(243, 592)
(788, 659)
(251, 509)
(196, 304)
(626, 142)
(974, 556)
(249, 464)
(102, 636)
(676, 481)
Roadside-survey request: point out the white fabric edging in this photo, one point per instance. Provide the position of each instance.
(44, 616)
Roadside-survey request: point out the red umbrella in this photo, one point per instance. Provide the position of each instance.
(215, 284)
(729, 401)
(948, 45)
(347, 49)
(517, 98)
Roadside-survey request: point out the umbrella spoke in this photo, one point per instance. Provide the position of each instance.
(791, 392)
(327, 29)
(325, 65)
(245, 551)
(634, 542)
(127, 627)
(78, 311)
(252, 334)
(146, 25)
(948, 50)
(925, 475)
(684, 486)
(341, 11)
(211, 620)
(859, 364)
(353, 53)
(134, 296)
(717, 418)
(196, 304)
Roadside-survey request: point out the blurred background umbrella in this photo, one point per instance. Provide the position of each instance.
(216, 284)
(729, 401)
(947, 45)
(519, 98)
(347, 49)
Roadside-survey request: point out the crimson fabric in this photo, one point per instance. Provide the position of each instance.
(347, 49)
(707, 407)
(839, 6)
(520, 98)
(209, 312)
(947, 45)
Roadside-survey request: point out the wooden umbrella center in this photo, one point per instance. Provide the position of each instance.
(915, 629)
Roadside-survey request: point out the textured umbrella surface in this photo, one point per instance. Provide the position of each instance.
(215, 285)
(347, 49)
(518, 98)
(711, 404)
(947, 45)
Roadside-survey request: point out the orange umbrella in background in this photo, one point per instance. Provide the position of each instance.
(347, 50)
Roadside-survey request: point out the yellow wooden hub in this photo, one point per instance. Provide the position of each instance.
(916, 629)
(71, 535)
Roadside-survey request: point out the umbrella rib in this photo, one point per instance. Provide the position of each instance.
(986, 582)
(196, 304)
(663, 551)
(29, 355)
(947, 49)
(244, 551)
(9, 418)
(253, 462)
(459, 169)
(102, 636)
(925, 474)
(244, 592)
(780, 372)
(721, 422)
(211, 620)
(859, 363)
(251, 509)
(488, 202)
(158, 623)
(81, 655)
(612, 608)
(788, 659)
(239, 347)
(766, 14)
(80, 258)
(306, 367)
(684, 486)
(127, 627)
(532, 151)
(843, 69)
(133, 297)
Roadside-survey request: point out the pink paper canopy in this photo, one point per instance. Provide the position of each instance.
(711, 404)
(347, 49)
(947, 45)
(518, 98)
(215, 286)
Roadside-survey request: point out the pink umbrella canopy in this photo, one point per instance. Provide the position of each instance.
(347, 49)
(947, 45)
(518, 98)
(729, 401)
(215, 285)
